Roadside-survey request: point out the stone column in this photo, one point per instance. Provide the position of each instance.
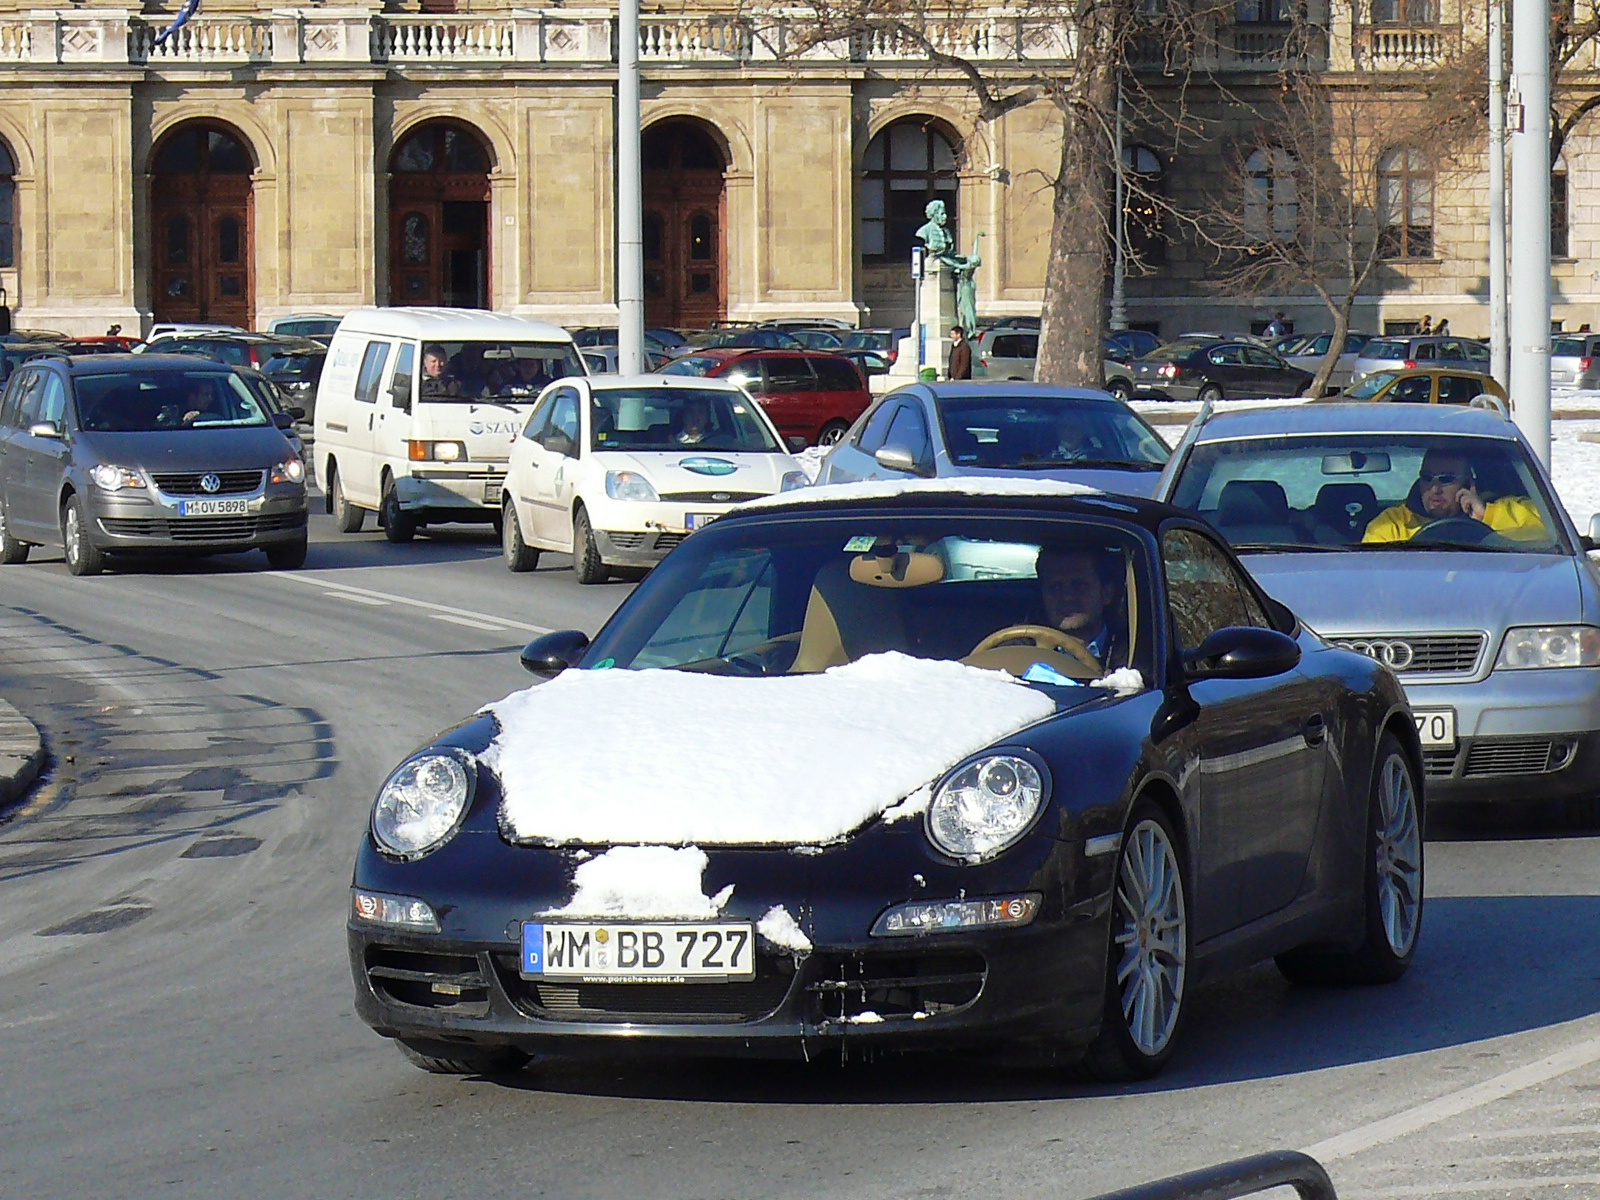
(936, 296)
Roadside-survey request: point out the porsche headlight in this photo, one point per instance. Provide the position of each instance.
(986, 806)
(629, 485)
(112, 478)
(422, 803)
(1549, 646)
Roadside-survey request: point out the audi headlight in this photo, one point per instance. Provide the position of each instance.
(289, 471)
(1549, 646)
(112, 478)
(793, 480)
(421, 805)
(986, 806)
(629, 485)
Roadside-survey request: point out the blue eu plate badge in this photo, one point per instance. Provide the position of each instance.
(532, 948)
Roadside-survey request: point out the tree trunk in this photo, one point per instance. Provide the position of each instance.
(1072, 337)
(1341, 328)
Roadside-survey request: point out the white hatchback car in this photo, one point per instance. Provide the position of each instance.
(619, 470)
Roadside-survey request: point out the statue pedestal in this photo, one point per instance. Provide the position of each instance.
(936, 308)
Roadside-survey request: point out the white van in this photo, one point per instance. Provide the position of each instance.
(418, 408)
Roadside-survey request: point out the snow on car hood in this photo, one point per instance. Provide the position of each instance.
(679, 758)
(691, 470)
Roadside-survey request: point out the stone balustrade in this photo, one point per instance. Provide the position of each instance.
(586, 36)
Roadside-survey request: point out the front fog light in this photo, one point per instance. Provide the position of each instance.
(986, 806)
(422, 803)
(945, 916)
(291, 471)
(397, 912)
(1549, 646)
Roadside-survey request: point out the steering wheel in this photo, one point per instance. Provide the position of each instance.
(1457, 529)
(1043, 637)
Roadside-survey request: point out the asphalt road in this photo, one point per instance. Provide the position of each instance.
(175, 1013)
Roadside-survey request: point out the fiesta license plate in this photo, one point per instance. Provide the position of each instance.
(492, 492)
(693, 521)
(1436, 727)
(638, 953)
(214, 508)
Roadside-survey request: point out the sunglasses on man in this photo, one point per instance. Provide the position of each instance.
(1443, 478)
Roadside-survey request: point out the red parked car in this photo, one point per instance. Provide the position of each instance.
(815, 396)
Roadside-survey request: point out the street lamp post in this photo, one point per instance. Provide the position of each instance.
(1499, 347)
(1530, 223)
(630, 196)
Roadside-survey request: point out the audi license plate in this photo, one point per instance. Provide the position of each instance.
(214, 508)
(693, 521)
(1436, 727)
(638, 953)
(492, 492)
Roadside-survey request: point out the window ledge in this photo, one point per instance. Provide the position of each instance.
(1412, 262)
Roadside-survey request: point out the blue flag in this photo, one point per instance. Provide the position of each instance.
(190, 7)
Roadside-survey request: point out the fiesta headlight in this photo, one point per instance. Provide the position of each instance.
(1530, 646)
(112, 478)
(793, 480)
(421, 805)
(986, 806)
(629, 485)
(291, 470)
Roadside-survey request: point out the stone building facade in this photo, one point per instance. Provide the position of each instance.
(263, 161)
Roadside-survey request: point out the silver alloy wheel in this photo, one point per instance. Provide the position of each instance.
(1152, 926)
(74, 535)
(1399, 851)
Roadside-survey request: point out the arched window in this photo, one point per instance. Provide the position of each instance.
(1271, 200)
(1405, 203)
(908, 164)
(440, 149)
(1560, 211)
(1142, 175)
(8, 208)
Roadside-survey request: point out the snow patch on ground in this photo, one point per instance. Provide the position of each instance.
(715, 760)
(644, 882)
(969, 485)
(1575, 468)
(1191, 408)
(779, 928)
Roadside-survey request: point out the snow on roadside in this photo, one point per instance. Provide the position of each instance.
(1575, 468)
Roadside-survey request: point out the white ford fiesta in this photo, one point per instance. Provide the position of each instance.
(618, 471)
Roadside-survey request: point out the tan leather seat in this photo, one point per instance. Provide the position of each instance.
(854, 609)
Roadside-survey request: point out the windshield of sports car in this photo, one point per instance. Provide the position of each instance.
(1035, 433)
(1373, 491)
(489, 370)
(677, 419)
(162, 401)
(1059, 603)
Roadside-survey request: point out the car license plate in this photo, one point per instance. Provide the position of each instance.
(1436, 727)
(214, 508)
(693, 521)
(492, 492)
(637, 952)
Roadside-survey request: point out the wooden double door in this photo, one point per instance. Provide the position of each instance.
(202, 269)
(685, 281)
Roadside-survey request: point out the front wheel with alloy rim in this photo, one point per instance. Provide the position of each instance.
(11, 550)
(399, 526)
(1391, 885)
(83, 556)
(1209, 394)
(518, 554)
(586, 559)
(1121, 389)
(833, 433)
(1147, 971)
(347, 518)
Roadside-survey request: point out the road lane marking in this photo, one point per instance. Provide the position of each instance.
(468, 622)
(350, 599)
(1454, 1104)
(350, 591)
(1454, 1187)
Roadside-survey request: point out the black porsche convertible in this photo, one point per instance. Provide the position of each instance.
(935, 763)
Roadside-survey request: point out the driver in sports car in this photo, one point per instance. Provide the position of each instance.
(1447, 489)
(1082, 593)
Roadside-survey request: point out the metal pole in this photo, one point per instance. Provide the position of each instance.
(1499, 347)
(1530, 223)
(1119, 299)
(630, 195)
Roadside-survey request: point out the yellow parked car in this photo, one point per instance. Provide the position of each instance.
(1425, 385)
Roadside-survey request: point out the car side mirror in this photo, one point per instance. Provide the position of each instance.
(283, 420)
(553, 653)
(46, 429)
(1242, 652)
(1592, 540)
(298, 413)
(400, 392)
(796, 443)
(898, 458)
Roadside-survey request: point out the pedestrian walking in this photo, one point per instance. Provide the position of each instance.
(1276, 328)
(1427, 323)
(960, 354)
(1443, 326)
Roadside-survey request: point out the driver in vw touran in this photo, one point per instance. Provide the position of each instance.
(1446, 488)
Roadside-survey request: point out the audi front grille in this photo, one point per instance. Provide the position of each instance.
(1419, 653)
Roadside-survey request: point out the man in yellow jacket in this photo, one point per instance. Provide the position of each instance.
(1446, 488)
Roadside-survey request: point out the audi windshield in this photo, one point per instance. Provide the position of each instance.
(1372, 492)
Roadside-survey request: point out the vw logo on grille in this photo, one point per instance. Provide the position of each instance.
(1392, 653)
(210, 483)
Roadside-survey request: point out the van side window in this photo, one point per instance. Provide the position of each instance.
(371, 372)
(400, 388)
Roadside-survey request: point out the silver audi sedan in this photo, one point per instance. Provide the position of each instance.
(1428, 537)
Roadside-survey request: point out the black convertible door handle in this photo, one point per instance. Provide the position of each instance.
(1315, 730)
